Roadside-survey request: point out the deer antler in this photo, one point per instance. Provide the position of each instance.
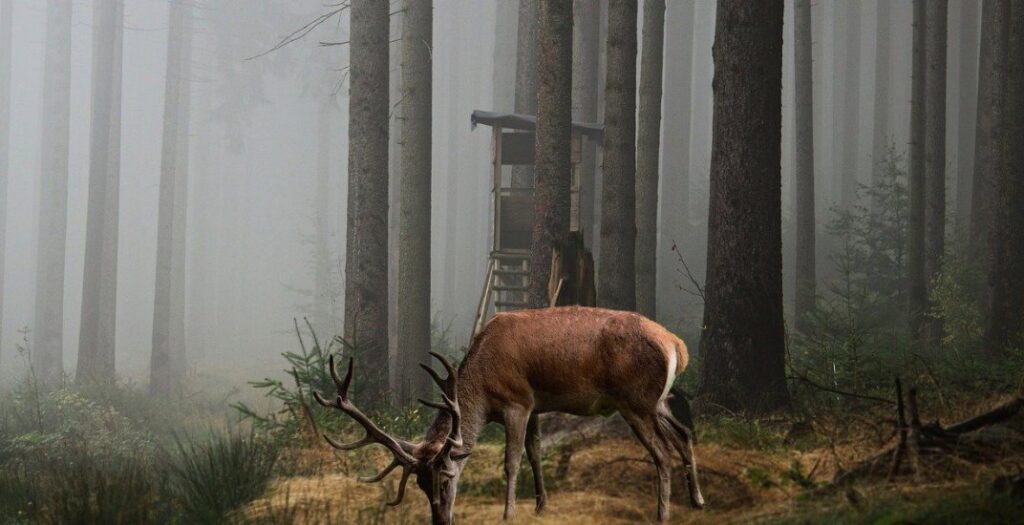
(399, 449)
(449, 404)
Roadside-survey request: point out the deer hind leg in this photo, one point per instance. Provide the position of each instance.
(645, 427)
(681, 438)
(515, 436)
(533, 455)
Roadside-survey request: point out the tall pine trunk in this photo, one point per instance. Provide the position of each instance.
(97, 336)
(1006, 277)
(881, 133)
(167, 362)
(917, 289)
(586, 56)
(995, 23)
(743, 345)
(967, 105)
(366, 278)
(414, 203)
(47, 341)
(648, 143)
(804, 131)
(617, 272)
(526, 76)
(553, 148)
(6, 17)
(935, 151)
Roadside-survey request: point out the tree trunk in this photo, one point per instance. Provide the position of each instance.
(743, 344)
(414, 207)
(850, 104)
(648, 143)
(968, 108)
(935, 151)
(526, 76)
(674, 191)
(366, 280)
(47, 343)
(97, 337)
(917, 289)
(553, 148)
(995, 23)
(616, 287)
(167, 366)
(804, 130)
(586, 56)
(881, 131)
(1006, 280)
(6, 17)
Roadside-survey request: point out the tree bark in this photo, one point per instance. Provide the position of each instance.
(743, 344)
(917, 289)
(586, 56)
(648, 143)
(935, 151)
(366, 280)
(881, 132)
(167, 366)
(97, 336)
(617, 271)
(553, 148)
(804, 130)
(995, 23)
(6, 25)
(967, 106)
(414, 206)
(47, 342)
(323, 310)
(1006, 278)
(526, 76)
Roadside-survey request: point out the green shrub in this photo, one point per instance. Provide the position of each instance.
(213, 476)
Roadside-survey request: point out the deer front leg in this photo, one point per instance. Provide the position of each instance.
(515, 437)
(533, 455)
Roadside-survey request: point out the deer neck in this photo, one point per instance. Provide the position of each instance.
(474, 417)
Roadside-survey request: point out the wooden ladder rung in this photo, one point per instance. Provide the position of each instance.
(503, 288)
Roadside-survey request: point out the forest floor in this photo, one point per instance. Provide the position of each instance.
(763, 472)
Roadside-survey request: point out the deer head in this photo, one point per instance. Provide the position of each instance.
(437, 463)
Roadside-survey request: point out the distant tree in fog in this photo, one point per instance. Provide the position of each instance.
(616, 286)
(414, 213)
(6, 17)
(586, 55)
(648, 143)
(553, 147)
(967, 109)
(881, 133)
(1006, 279)
(936, 21)
(917, 288)
(526, 76)
(743, 345)
(804, 135)
(167, 361)
(97, 336)
(848, 87)
(47, 341)
(366, 279)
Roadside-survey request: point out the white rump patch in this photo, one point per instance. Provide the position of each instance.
(670, 373)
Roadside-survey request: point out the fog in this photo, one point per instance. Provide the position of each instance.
(264, 123)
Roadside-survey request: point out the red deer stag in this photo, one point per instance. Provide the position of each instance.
(584, 361)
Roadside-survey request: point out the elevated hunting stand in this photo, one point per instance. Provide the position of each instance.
(508, 267)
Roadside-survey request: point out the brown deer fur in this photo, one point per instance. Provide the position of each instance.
(578, 360)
